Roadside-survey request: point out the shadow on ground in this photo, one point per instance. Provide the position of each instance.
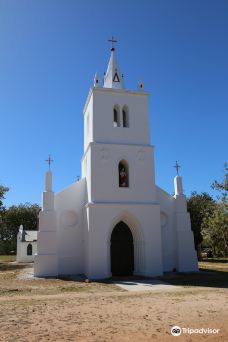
(11, 266)
(209, 275)
(204, 278)
(214, 260)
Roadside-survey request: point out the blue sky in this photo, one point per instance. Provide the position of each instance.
(50, 51)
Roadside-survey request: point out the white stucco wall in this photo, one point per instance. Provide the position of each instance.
(177, 237)
(144, 223)
(86, 171)
(104, 183)
(22, 251)
(88, 124)
(169, 242)
(186, 253)
(100, 104)
(69, 206)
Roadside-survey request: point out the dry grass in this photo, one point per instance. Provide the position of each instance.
(15, 280)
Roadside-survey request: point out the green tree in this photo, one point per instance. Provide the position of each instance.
(222, 187)
(25, 214)
(215, 230)
(3, 190)
(199, 206)
(215, 226)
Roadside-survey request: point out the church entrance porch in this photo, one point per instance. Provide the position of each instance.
(122, 239)
(122, 250)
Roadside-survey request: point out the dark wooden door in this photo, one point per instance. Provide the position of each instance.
(122, 251)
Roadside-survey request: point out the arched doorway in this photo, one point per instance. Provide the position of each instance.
(122, 250)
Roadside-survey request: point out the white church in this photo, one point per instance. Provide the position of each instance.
(26, 244)
(115, 221)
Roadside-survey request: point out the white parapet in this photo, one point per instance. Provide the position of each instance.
(185, 251)
(48, 201)
(48, 181)
(46, 259)
(47, 221)
(178, 185)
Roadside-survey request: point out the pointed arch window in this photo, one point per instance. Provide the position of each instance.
(29, 249)
(123, 174)
(125, 115)
(116, 116)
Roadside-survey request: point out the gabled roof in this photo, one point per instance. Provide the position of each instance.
(27, 235)
(30, 235)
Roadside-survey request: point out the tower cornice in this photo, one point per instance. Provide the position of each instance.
(102, 143)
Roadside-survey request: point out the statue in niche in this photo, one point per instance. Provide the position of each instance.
(123, 179)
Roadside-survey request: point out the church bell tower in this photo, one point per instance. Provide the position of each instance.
(117, 141)
(118, 166)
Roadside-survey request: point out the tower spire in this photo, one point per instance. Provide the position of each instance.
(113, 77)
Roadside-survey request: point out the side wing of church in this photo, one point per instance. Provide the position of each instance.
(115, 220)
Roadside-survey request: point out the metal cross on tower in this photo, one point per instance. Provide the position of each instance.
(112, 41)
(49, 161)
(177, 167)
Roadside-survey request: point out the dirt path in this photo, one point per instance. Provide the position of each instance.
(113, 317)
(57, 310)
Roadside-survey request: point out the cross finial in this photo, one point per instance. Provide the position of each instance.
(177, 167)
(49, 161)
(113, 40)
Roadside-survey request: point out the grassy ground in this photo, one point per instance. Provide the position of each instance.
(16, 279)
(211, 274)
(7, 258)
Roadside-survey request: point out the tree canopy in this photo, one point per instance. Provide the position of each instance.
(3, 190)
(215, 226)
(10, 220)
(199, 206)
(222, 187)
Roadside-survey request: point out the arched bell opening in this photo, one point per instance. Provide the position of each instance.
(125, 114)
(116, 116)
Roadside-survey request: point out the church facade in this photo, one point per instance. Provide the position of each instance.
(26, 245)
(115, 221)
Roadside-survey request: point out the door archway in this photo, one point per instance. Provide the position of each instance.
(122, 250)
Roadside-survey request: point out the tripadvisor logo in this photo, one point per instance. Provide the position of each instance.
(175, 331)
